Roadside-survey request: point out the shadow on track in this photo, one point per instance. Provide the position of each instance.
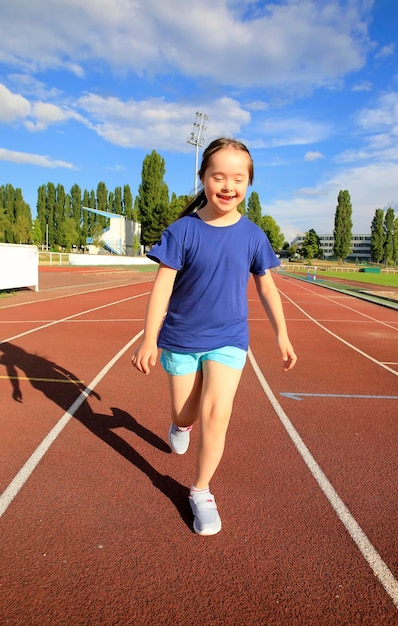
(103, 427)
(62, 387)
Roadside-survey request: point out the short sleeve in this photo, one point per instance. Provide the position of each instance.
(264, 259)
(167, 251)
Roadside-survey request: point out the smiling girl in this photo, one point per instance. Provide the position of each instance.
(205, 260)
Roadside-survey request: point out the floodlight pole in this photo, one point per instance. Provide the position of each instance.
(196, 139)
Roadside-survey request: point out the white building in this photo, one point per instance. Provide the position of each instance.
(118, 238)
(360, 246)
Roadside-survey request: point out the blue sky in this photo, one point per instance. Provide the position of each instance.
(87, 89)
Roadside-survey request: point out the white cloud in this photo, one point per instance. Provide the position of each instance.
(363, 85)
(305, 43)
(313, 156)
(385, 51)
(275, 132)
(379, 127)
(26, 158)
(155, 121)
(28, 85)
(370, 187)
(12, 106)
(384, 114)
(115, 168)
(257, 105)
(35, 115)
(45, 114)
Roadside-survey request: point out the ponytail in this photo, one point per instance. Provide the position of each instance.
(196, 203)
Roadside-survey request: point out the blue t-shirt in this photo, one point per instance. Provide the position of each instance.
(208, 307)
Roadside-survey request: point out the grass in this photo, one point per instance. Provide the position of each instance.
(4, 293)
(145, 268)
(382, 280)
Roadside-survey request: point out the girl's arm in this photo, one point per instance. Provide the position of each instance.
(271, 301)
(146, 353)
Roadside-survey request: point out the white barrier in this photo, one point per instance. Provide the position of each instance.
(19, 266)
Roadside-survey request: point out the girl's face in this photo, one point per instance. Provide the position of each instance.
(225, 180)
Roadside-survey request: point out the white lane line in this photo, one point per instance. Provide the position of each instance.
(71, 317)
(367, 356)
(28, 468)
(75, 321)
(345, 306)
(370, 554)
(71, 295)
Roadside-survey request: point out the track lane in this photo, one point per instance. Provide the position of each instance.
(115, 502)
(57, 361)
(343, 434)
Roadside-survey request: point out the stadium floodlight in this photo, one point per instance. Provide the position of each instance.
(196, 139)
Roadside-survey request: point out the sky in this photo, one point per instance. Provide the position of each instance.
(88, 89)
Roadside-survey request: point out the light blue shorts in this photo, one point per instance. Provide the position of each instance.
(180, 363)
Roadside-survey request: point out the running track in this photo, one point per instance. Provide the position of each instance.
(95, 524)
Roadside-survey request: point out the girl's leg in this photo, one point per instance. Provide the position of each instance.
(185, 394)
(220, 383)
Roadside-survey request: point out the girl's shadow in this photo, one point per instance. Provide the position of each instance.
(103, 427)
(62, 387)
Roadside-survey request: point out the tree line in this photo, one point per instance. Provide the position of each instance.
(63, 223)
(383, 234)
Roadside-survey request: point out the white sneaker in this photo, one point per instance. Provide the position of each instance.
(206, 519)
(179, 438)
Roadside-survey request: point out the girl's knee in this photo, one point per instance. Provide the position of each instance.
(215, 420)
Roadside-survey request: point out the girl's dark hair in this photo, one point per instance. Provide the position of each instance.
(200, 200)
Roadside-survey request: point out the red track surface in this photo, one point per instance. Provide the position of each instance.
(96, 527)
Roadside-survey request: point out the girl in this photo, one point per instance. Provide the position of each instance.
(205, 259)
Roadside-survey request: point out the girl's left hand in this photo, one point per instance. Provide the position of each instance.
(288, 355)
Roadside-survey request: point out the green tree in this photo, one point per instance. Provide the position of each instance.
(273, 232)
(102, 197)
(311, 246)
(91, 219)
(15, 216)
(388, 225)
(36, 234)
(76, 213)
(343, 226)
(3, 221)
(59, 213)
(22, 219)
(50, 207)
(136, 245)
(136, 210)
(85, 218)
(117, 201)
(111, 202)
(102, 205)
(177, 204)
(377, 236)
(69, 233)
(254, 208)
(395, 241)
(42, 212)
(127, 202)
(153, 200)
(7, 203)
(242, 207)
